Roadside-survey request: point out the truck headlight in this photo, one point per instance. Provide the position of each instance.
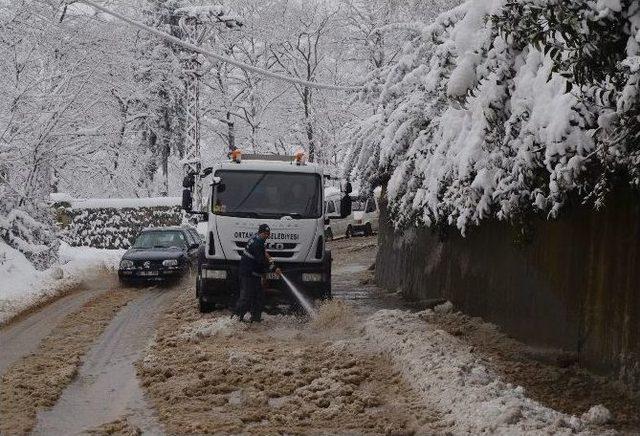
(170, 262)
(312, 277)
(214, 274)
(126, 264)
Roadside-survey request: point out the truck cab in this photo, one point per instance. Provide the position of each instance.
(284, 193)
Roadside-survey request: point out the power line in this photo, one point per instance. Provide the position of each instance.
(242, 65)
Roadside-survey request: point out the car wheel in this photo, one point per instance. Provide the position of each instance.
(328, 234)
(349, 232)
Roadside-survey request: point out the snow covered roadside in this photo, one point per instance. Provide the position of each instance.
(23, 287)
(445, 372)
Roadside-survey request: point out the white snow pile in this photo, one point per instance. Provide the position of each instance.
(223, 326)
(77, 260)
(446, 373)
(597, 415)
(206, 328)
(35, 239)
(23, 286)
(476, 120)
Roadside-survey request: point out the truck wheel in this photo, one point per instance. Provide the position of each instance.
(368, 231)
(328, 234)
(204, 306)
(349, 232)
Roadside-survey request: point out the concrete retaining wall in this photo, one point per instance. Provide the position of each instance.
(572, 284)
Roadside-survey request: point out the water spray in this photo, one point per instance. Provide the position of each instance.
(301, 298)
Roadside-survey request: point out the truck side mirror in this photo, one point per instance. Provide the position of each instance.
(187, 200)
(345, 206)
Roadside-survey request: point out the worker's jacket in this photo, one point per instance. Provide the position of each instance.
(253, 261)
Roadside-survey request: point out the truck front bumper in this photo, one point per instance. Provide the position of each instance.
(219, 281)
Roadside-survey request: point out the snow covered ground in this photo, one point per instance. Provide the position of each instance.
(472, 397)
(22, 286)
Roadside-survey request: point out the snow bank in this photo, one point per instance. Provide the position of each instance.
(446, 373)
(76, 260)
(16, 272)
(35, 239)
(22, 286)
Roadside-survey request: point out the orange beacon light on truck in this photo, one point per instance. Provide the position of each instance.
(299, 157)
(236, 155)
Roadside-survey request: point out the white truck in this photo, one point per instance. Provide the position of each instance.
(365, 216)
(283, 192)
(364, 219)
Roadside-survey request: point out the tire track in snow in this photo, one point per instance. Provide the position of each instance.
(22, 337)
(106, 388)
(37, 380)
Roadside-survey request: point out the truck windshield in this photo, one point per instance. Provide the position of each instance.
(262, 194)
(161, 239)
(357, 205)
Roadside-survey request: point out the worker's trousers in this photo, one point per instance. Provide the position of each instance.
(251, 298)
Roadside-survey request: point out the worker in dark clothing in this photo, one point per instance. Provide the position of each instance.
(254, 263)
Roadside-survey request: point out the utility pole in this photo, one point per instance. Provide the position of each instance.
(195, 24)
(194, 33)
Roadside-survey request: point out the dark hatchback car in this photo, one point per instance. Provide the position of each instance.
(160, 254)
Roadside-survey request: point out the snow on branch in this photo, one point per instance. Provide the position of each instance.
(217, 57)
(487, 113)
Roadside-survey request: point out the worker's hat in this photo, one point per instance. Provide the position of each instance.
(264, 228)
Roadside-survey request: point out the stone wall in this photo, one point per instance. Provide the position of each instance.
(113, 224)
(572, 283)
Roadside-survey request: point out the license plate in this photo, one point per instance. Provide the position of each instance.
(148, 273)
(273, 276)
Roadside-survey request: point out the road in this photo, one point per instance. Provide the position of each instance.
(106, 387)
(129, 361)
(23, 336)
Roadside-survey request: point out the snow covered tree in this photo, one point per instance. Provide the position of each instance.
(301, 53)
(504, 110)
